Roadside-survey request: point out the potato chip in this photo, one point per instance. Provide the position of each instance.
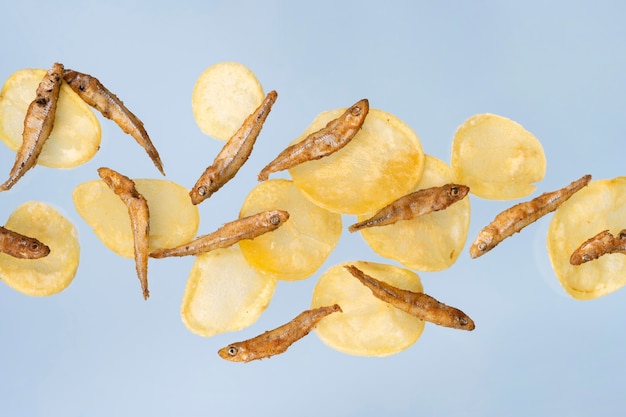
(174, 220)
(383, 161)
(431, 242)
(300, 246)
(367, 326)
(497, 158)
(599, 206)
(224, 293)
(52, 273)
(76, 135)
(223, 96)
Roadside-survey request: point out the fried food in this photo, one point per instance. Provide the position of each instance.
(430, 242)
(368, 326)
(514, 219)
(234, 154)
(37, 124)
(230, 233)
(173, 219)
(412, 205)
(224, 293)
(139, 215)
(223, 96)
(299, 247)
(497, 158)
(91, 90)
(603, 243)
(52, 273)
(335, 135)
(383, 162)
(20, 246)
(75, 137)
(277, 341)
(599, 206)
(418, 304)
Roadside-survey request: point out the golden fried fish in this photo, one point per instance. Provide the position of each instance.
(334, 136)
(38, 124)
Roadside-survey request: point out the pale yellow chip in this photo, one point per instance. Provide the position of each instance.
(76, 135)
(368, 326)
(224, 293)
(223, 96)
(174, 220)
(383, 161)
(497, 158)
(52, 273)
(298, 248)
(599, 206)
(431, 242)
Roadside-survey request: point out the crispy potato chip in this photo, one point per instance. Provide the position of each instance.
(599, 206)
(299, 247)
(497, 158)
(224, 293)
(174, 220)
(367, 326)
(52, 273)
(431, 242)
(223, 96)
(76, 135)
(383, 161)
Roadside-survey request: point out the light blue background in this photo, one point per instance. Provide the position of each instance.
(97, 349)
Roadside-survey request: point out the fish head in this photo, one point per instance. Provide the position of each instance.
(356, 114)
(457, 192)
(205, 187)
(276, 217)
(235, 352)
(464, 322)
(482, 244)
(31, 248)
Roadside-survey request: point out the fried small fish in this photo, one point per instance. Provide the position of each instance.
(230, 233)
(603, 243)
(21, 246)
(91, 90)
(234, 153)
(38, 124)
(139, 215)
(415, 204)
(515, 218)
(274, 342)
(334, 136)
(418, 304)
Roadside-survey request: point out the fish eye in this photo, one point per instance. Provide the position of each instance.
(232, 350)
(34, 246)
(586, 257)
(202, 190)
(482, 246)
(454, 191)
(356, 111)
(463, 321)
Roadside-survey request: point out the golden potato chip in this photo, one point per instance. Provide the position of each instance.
(497, 158)
(223, 96)
(174, 220)
(300, 246)
(383, 161)
(52, 273)
(76, 135)
(367, 326)
(224, 293)
(599, 206)
(431, 242)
